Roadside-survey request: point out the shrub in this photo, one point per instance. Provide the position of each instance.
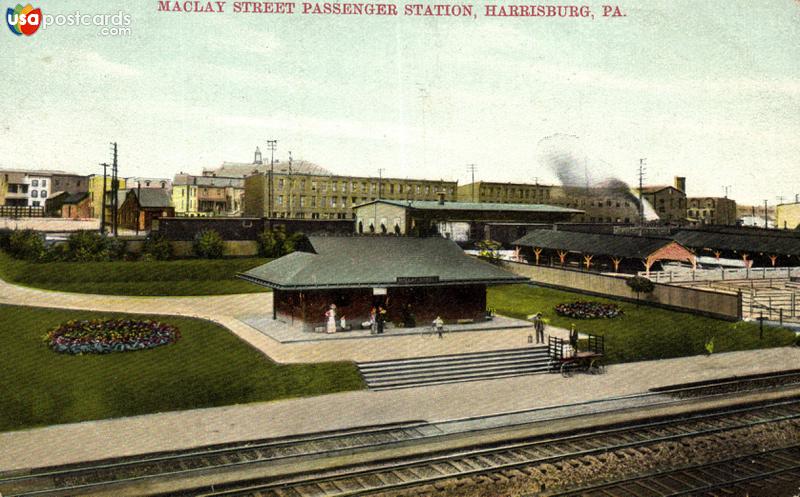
(208, 244)
(26, 244)
(157, 248)
(103, 336)
(87, 246)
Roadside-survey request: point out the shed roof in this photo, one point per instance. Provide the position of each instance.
(152, 197)
(435, 205)
(370, 261)
(627, 246)
(774, 244)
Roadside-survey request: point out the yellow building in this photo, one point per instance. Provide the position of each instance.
(327, 196)
(207, 195)
(787, 216)
(96, 194)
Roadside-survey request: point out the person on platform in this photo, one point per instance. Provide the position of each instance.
(438, 325)
(538, 325)
(343, 323)
(331, 315)
(381, 316)
(373, 320)
(573, 340)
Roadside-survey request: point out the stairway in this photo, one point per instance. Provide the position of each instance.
(406, 373)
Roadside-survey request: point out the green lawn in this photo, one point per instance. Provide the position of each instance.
(642, 332)
(179, 277)
(208, 366)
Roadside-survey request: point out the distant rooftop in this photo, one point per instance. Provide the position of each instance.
(473, 206)
(242, 169)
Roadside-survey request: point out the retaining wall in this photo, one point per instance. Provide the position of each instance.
(723, 305)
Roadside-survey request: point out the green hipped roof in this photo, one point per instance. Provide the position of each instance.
(472, 206)
(377, 261)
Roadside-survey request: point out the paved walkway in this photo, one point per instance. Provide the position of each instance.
(178, 430)
(224, 309)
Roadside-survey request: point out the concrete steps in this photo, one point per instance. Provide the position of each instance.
(407, 373)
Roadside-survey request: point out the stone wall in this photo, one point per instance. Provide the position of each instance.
(723, 305)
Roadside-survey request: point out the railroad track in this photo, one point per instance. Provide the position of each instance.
(393, 475)
(733, 476)
(81, 478)
(87, 477)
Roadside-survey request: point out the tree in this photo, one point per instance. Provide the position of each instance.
(489, 250)
(276, 243)
(640, 284)
(208, 244)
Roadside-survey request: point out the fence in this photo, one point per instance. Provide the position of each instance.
(723, 274)
(715, 303)
(21, 211)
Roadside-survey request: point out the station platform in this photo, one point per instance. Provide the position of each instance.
(286, 332)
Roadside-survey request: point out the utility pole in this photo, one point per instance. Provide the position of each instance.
(471, 168)
(726, 189)
(272, 145)
(766, 225)
(291, 188)
(780, 199)
(114, 189)
(642, 171)
(380, 182)
(103, 200)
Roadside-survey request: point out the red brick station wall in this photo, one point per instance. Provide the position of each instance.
(452, 303)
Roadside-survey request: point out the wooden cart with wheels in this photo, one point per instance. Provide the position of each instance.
(567, 361)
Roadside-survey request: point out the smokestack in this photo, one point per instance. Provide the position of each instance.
(441, 197)
(680, 183)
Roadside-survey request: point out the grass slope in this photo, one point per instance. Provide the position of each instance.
(208, 366)
(643, 332)
(168, 278)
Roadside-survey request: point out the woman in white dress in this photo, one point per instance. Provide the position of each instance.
(331, 315)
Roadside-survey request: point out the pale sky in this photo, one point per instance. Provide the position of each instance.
(709, 90)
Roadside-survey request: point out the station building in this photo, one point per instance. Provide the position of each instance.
(421, 276)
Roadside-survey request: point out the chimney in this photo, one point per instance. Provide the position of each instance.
(680, 183)
(441, 197)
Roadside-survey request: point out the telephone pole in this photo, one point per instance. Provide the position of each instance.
(103, 200)
(114, 189)
(642, 171)
(380, 181)
(766, 224)
(272, 145)
(471, 168)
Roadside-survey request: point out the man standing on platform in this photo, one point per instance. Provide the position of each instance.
(538, 325)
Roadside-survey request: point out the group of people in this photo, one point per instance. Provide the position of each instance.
(377, 319)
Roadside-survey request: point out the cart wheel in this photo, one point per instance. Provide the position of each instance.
(566, 372)
(597, 367)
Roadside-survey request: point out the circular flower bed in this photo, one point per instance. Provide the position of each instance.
(588, 310)
(103, 336)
